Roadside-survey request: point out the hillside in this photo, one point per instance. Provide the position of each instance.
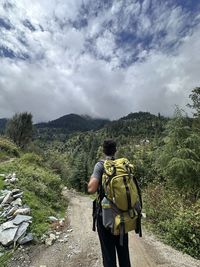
(141, 124)
(74, 122)
(66, 124)
(165, 154)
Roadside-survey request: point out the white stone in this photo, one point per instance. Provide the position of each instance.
(53, 219)
(22, 211)
(17, 201)
(21, 230)
(7, 233)
(21, 218)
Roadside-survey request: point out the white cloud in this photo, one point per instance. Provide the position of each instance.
(64, 76)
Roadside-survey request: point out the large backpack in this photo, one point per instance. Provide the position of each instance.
(121, 203)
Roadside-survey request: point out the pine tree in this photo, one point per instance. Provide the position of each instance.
(20, 128)
(179, 160)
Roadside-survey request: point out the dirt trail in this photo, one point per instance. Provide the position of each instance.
(82, 248)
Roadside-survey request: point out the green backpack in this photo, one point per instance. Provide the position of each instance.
(122, 203)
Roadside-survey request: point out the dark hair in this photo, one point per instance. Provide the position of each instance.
(109, 147)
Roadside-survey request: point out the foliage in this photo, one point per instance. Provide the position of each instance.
(166, 156)
(20, 128)
(195, 97)
(179, 159)
(140, 124)
(1, 183)
(8, 148)
(5, 257)
(41, 187)
(31, 158)
(176, 220)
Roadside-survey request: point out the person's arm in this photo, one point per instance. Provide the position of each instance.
(93, 185)
(95, 177)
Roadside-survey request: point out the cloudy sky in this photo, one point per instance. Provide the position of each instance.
(97, 57)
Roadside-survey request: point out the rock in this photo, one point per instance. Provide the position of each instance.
(9, 212)
(12, 180)
(52, 236)
(53, 219)
(1, 198)
(26, 239)
(7, 199)
(49, 241)
(58, 233)
(7, 225)
(17, 201)
(3, 193)
(18, 195)
(43, 237)
(9, 176)
(21, 218)
(22, 211)
(62, 222)
(69, 231)
(2, 175)
(7, 233)
(21, 231)
(15, 191)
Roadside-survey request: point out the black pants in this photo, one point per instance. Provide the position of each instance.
(110, 244)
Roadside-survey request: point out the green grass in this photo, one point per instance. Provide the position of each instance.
(41, 187)
(5, 258)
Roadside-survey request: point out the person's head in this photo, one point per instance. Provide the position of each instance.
(109, 147)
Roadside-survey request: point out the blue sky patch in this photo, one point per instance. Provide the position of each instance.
(5, 24)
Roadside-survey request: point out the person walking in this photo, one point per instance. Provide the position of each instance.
(110, 244)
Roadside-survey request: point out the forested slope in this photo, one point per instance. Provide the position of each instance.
(166, 156)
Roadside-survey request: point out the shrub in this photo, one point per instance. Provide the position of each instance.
(7, 146)
(41, 187)
(31, 158)
(174, 219)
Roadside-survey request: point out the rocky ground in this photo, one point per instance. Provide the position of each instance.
(76, 245)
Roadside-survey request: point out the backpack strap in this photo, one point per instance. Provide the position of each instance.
(130, 210)
(94, 214)
(138, 189)
(121, 230)
(100, 190)
(138, 229)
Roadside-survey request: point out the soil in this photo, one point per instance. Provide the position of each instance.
(78, 245)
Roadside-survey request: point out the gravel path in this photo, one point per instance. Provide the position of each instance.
(82, 246)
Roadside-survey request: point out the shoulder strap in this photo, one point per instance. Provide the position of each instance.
(138, 189)
(100, 190)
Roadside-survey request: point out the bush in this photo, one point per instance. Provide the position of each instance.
(184, 231)
(175, 220)
(31, 158)
(41, 187)
(8, 147)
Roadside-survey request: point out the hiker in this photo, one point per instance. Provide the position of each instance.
(109, 243)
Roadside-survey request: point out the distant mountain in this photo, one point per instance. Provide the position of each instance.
(137, 124)
(3, 124)
(74, 122)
